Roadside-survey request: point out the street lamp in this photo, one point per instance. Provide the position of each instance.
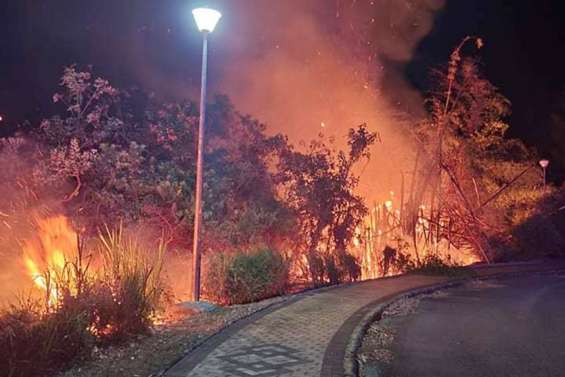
(206, 21)
(544, 164)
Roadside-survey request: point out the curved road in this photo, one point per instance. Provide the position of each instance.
(308, 335)
(509, 327)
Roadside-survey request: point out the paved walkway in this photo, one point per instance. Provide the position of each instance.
(305, 337)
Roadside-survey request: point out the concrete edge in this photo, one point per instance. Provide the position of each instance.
(350, 365)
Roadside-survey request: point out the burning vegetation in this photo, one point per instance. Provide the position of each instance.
(86, 295)
(97, 202)
(47, 257)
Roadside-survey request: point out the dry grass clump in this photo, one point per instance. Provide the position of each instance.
(42, 337)
(131, 287)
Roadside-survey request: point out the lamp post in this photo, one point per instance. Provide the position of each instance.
(544, 164)
(206, 21)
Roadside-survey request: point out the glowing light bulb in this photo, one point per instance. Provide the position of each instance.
(206, 19)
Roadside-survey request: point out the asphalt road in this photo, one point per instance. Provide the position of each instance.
(512, 327)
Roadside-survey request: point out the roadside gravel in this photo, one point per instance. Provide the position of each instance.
(375, 354)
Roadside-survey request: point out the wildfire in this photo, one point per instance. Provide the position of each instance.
(383, 227)
(46, 256)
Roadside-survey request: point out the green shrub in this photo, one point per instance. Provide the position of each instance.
(242, 278)
(434, 265)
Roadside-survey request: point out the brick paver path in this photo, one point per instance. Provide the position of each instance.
(297, 339)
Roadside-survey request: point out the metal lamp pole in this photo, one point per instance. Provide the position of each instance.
(544, 164)
(206, 20)
(199, 161)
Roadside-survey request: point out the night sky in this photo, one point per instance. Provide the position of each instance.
(524, 57)
(524, 53)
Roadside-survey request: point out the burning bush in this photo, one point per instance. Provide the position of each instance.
(97, 295)
(242, 278)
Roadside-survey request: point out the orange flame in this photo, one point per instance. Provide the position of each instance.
(383, 227)
(46, 256)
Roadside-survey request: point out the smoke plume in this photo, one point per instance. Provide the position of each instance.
(300, 66)
(310, 66)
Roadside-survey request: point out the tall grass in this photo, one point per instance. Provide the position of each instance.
(41, 337)
(132, 273)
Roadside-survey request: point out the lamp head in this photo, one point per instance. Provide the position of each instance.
(544, 163)
(206, 19)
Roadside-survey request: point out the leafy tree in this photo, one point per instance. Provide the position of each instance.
(319, 185)
(125, 156)
(130, 156)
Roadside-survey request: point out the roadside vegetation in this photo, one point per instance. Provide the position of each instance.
(82, 308)
(241, 278)
(432, 265)
(275, 216)
(473, 189)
